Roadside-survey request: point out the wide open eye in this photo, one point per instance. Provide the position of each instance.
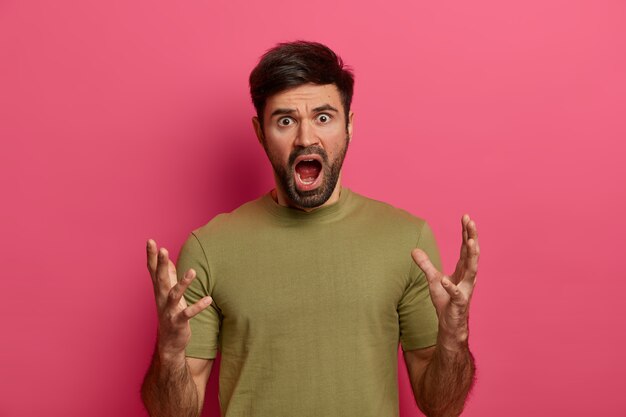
(324, 118)
(285, 121)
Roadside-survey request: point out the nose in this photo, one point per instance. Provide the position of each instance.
(306, 135)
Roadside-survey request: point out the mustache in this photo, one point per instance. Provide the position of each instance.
(314, 149)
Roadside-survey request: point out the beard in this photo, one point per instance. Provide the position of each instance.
(321, 194)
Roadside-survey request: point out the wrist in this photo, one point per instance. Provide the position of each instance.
(453, 340)
(170, 357)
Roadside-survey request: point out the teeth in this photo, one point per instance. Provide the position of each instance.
(305, 182)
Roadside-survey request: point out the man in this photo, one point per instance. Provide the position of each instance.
(308, 290)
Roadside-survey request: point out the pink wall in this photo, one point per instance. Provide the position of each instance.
(126, 120)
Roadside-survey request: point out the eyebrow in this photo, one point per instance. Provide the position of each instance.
(324, 107)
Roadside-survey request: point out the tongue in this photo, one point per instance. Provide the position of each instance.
(308, 170)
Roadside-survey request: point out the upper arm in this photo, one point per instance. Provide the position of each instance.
(200, 371)
(417, 317)
(416, 362)
(205, 325)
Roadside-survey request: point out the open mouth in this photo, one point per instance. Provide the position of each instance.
(308, 172)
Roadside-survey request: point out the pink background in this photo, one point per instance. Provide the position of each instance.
(126, 120)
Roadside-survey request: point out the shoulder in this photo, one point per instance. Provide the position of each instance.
(239, 219)
(382, 212)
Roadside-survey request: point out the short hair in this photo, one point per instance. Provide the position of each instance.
(291, 64)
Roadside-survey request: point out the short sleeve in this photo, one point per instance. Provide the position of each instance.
(417, 316)
(205, 325)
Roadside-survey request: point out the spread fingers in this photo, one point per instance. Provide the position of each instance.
(196, 308)
(422, 260)
(176, 293)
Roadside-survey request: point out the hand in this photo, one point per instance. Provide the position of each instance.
(173, 313)
(451, 295)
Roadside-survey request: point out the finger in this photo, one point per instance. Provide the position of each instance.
(473, 234)
(176, 293)
(471, 263)
(162, 273)
(459, 270)
(464, 221)
(152, 257)
(171, 272)
(471, 229)
(422, 260)
(196, 308)
(456, 295)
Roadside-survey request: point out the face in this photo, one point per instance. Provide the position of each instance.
(306, 138)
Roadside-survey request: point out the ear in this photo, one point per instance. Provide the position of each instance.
(256, 124)
(350, 124)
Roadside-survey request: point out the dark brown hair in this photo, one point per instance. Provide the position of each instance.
(290, 64)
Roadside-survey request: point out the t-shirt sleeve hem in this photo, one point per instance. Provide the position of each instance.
(421, 342)
(201, 352)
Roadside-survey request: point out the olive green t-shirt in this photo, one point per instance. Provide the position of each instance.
(309, 308)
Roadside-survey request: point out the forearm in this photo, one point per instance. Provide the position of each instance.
(168, 389)
(447, 380)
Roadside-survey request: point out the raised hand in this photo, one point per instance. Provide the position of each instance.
(451, 294)
(173, 313)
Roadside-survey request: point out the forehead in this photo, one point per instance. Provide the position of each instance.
(305, 97)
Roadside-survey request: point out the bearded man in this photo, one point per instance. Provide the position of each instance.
(308, 291)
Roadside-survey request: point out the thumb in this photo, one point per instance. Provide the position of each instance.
(422, 260)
